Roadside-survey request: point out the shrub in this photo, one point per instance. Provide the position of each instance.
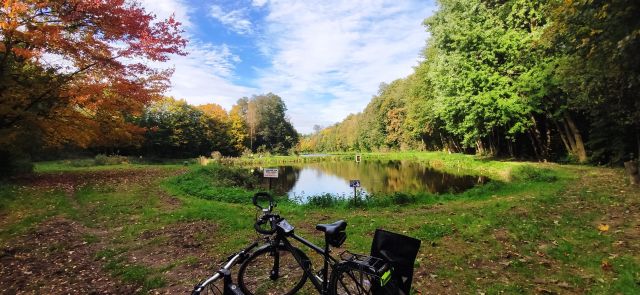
(80, 162)
(323, 201)
(203, 161)
(14, 163)
(530, 173)
(217, 182)
(399, 198)
(110, 160)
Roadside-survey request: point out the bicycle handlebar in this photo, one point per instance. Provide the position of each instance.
(269, 198)
(263, 220)
(266, 217)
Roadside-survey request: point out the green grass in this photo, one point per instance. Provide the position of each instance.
(532, 222)
(128, 272)
(216, 182)
(89, 164)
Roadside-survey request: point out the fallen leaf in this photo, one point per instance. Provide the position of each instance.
(606, 265)
(603, 227)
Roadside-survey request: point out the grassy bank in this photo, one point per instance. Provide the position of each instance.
(537, 228)
(451, 163)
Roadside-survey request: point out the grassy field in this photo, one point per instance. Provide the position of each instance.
(135, 228)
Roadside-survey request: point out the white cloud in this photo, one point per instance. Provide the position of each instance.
(204, 75)
(163, 9)
(236, 20)
(328, 58)
(258, 3)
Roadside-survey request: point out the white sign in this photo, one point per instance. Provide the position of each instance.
(358, 158)
(354, 183)
(270, 172)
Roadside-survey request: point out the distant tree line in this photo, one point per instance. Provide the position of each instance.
(550, 80)
(175, 129)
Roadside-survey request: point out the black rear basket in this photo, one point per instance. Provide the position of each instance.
(400, 253)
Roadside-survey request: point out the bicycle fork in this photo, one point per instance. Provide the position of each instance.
(275, 271)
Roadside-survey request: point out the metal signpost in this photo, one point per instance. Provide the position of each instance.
(355, 184)
(270, 173)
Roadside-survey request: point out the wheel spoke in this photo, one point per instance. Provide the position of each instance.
(352, 282)
(255, 274)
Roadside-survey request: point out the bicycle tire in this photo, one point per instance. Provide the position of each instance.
(346, 280)
(254, 274)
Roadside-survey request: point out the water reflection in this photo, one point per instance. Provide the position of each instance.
(375, 176)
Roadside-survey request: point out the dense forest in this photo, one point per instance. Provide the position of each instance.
(546, 80)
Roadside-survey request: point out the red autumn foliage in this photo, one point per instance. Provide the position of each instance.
(71, 71)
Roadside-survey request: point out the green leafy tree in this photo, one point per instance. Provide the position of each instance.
(265, 124)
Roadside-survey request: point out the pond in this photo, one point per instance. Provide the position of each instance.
(303, 180)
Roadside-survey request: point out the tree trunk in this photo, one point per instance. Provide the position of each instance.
(579, 144)
(479, 147)
(548, 145)
(542, 149)
(510, 148)
(563, 137)
(533, 143)
(638, 141)
(631, 167)
(570, 138)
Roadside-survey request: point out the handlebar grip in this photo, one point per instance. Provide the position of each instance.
(265, 195)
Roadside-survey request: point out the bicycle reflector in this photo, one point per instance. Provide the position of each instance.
(386, 276)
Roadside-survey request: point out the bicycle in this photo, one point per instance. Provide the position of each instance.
(280, 268)
(208, 286)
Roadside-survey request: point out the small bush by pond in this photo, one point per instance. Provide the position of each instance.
(217, 182)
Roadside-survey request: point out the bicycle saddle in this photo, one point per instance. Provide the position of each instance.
(332, 228)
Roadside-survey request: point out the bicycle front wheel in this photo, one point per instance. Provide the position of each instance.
(271, 271)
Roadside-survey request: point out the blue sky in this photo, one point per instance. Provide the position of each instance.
(325, 59)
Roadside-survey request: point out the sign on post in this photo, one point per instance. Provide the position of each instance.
(355, 184)
(358, 158)
(270, 173)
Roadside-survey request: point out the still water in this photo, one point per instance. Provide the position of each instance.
(301, 181)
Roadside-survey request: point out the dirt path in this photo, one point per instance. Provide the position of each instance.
(55, 259)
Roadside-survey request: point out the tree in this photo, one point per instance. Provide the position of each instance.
(177, 129)
(273, 130)
(101, 75)
(218, 129)
(599, 68)
(267, 127)
(238, 128)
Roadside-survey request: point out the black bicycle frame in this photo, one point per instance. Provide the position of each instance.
(321, 284)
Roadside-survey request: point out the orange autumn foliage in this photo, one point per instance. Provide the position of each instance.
(72, 71)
